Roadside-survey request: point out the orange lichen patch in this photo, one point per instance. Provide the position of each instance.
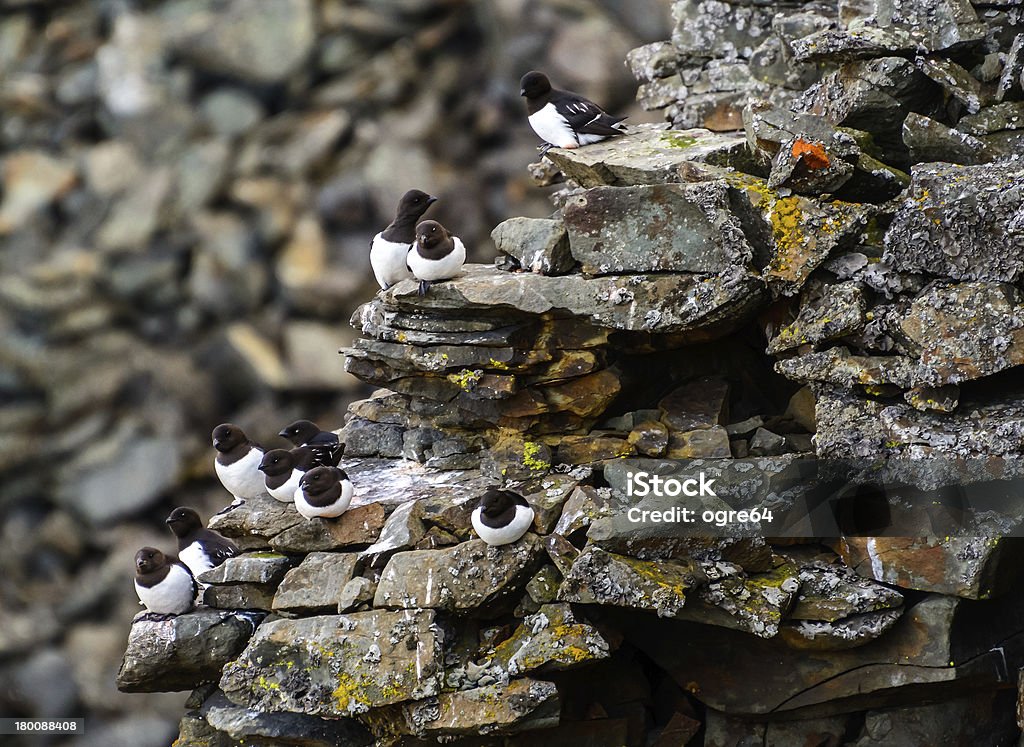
(813, 155)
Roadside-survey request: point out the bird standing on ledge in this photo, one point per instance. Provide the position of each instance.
(564, 119)
(389, 248)
(435, 254)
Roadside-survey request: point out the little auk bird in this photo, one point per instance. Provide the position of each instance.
(164, 584)
(199, 548)
(502, 517)
(389, 248)
(564, 119)
(238, 462)
(327, 448)
(435, 254)
(323, 492)
(284, 469)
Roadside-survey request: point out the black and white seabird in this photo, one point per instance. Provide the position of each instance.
(435, 254)
(324, 493)
(284, 469)
(564, 119)
(164, 584)
(199, 548)
(327, 448)
(502, 517)
(390, 247)
(238, 462)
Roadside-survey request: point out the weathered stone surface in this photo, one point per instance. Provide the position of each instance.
(697, 404)
(797, 233)
(546, 496)
(583, 506)
(402, 530)
(539, 244)
(599, 577)
(651, 303)
(31, 180)
(552, 639)
(837, 313)
(662, 227)
(360, 525)
(239, 596)
(966, 331)
(647, 155)
(971, 567)
(940, 230)
(849, 632)
(470, 576)
(337, 665)
(929, 140)
(591, 449)
(911, 660)
(698, 444)
(495, 709)
(249, 568)
(837, 366)
(261, 728)
(183, 652)
(316, 584)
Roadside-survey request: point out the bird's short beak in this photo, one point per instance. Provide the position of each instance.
(168, 520)
(522, 91)
(431, 200)
(283, 433)
(261, 468)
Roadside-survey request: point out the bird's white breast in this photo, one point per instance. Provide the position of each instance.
(196, 559)
(337, 508)
(506, 535)
(172, 596)
(387, 258)
(243, 478)
(286, 493)
(552, 127)
(438, 269)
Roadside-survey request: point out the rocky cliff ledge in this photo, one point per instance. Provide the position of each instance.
(835, 282)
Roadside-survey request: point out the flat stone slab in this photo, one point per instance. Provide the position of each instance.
(648, 155)
(337, 665)
(466, 577)
(182, 652)
(670, 302)
(554, 638)
(316, 584)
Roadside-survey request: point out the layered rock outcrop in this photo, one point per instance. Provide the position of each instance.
(807, 311)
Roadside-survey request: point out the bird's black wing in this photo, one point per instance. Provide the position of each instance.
(585, 116)
(218, 548)
(326, 454)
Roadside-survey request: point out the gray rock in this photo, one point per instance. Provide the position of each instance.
(929, 140)
(648, 155)
(249, 568)
(652, 303)
(552, 639)
(356, 592)
(766, 443)
(359, 525)
(599, 577)
(667, 227)
(495, 709)
(967, 243)
(402, 530)
(316, 584)
(653, 61)
(837, 312)
(337, 665)
(539, 244)
(256, 727)
(183, 652)
(470, 576)
(262, 45)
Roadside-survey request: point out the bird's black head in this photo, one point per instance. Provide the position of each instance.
(534, 84)
(276, 462)
(183, 520)
(300, 432)
(148, 559)
(495, 502)
(227, 436)
(430, 233)
(415, 202)
(320, 479)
